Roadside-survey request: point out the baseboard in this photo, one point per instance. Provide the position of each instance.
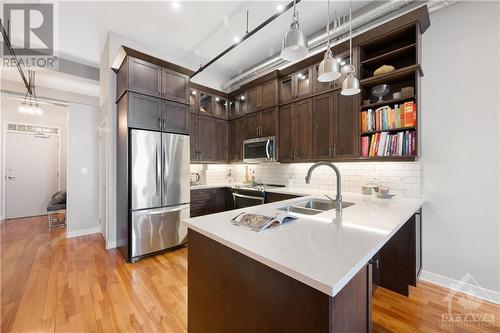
(83, 232)
(462, 286)
(111, 245)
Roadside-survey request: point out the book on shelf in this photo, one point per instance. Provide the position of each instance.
(387, 118)
(384, 144)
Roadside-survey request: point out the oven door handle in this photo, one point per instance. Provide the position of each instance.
(267, 149)
(235, 195)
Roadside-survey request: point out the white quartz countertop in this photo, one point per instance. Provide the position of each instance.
(324, 251)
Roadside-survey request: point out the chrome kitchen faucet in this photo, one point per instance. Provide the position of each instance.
(338, 197)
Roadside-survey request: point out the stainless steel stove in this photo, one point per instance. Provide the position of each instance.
(251, 194)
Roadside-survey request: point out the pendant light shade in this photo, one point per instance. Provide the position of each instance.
(328, 69)
(294, 41)
(350, 85)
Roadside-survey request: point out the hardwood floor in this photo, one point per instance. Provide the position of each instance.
(53, 284)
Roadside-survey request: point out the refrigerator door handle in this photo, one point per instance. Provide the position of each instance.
(156, 169)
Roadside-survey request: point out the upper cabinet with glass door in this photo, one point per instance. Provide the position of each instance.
(343, 62)
(296, 85)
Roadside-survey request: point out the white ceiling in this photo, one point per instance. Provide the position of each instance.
(190, 35)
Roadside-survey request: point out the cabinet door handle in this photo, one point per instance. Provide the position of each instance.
(163, 123)
(330, 149)
(334, 149)
(159, 122)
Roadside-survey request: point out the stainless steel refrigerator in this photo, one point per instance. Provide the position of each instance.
(159, 191)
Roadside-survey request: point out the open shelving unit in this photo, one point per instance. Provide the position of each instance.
(399, 49)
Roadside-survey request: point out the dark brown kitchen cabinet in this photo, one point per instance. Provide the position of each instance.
(219, 199)
(323, 126)
(252, 98)
(210, 201)
(346, 129)
(286, 89)
(193, 129)
(274, 197)
(261, 124)
(174, 86)
(201, 202)
(220, 107)
(209, 139)
(302, 119)
(398, 263)
(236, 137)
(268, 94)
(296, 126)
(146, 78)
(143, 77)
(144, 112)
(335, 126)
(251, 126)
(286, 143)
(202, 135)
(268, 122)
(261, 96)
(296, 85)
(175, 117)
(152, 113)
(220, 140)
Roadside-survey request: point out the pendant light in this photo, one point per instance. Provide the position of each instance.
(328, 69)
(30, 104)
(294, 41)
(350, 85)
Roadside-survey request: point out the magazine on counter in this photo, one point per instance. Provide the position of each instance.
(262, 220)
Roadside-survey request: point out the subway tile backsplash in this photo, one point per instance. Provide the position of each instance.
(403, 178)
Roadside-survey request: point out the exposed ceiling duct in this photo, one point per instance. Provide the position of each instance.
(361, 22)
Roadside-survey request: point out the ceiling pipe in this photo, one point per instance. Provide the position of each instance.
(339, 32)
(247, 35)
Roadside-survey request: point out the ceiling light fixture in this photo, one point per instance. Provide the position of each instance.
(176, 5)
(294, 41)
(30, 104)
(328, 70)
(350, 85)
(280, 8)
(236, 39)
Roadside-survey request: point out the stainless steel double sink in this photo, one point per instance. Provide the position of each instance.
(313, 206)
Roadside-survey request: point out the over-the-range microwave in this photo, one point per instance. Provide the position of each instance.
(259, 150)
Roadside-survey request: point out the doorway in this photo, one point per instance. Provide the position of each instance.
(32, 169)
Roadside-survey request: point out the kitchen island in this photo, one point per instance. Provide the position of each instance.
(313, 274)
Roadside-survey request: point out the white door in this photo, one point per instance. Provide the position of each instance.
(32, 166)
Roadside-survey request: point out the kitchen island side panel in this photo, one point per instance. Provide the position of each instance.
(230, 292)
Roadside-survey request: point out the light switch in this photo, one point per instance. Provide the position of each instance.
(84, 171)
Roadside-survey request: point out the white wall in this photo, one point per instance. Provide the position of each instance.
(83, 170)
(461, 145)
(54, 115)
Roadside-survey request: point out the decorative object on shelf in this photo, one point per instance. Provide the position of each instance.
(328, 69)
(366, 102)
(350, 85)
(396, 95)
(384, 69)
(30, 104)
(407, 92)
(380, 91)
(294, 41)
